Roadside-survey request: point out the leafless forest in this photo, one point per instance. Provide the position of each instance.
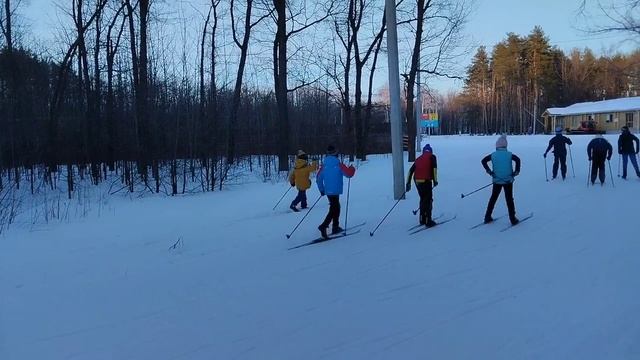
(165, 97)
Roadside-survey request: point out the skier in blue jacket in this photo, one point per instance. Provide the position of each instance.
(330, 183)
(503, 176)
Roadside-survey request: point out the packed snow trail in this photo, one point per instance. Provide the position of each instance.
(563, 285)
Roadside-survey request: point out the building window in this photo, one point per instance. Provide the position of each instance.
(609, 118)
(628, 120)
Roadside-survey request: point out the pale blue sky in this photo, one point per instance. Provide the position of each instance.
(489, 23)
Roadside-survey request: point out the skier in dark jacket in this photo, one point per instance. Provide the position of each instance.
(626, 148)
(599, 150)
(425, 173)
(503, 176)
(330, 183)
(559, 144)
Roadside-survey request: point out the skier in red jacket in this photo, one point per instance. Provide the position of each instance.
(425, 173)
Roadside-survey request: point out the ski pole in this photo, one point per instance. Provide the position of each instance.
(285, 194)
(619, 165)
(304, 217)
(389, 212)
(346, 212)
(475, 191)
(611, 173)
(573, 169)
(589, 170)
(546, 175)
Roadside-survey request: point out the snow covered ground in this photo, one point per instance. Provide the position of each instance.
(563, 285)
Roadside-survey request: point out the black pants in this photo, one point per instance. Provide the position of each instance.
(425, 190)
(334, 212)
(301, 198)
(508, 194)
(560, 160)
(597, 168)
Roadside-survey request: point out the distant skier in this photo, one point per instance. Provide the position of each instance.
(628, 151)
(503, 177)
(558, 143)
(300, 179)
(425, 169)
(599, 150)
(330, 183)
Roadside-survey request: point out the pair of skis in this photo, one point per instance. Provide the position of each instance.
(419, 228)
(525, 218)
(347, 232)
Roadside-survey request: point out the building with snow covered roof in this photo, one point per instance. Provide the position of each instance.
(595, 116)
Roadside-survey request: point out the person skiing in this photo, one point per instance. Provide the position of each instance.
(628, 151)
(300, 179)
(425, 169)
(330, 183)
(503, 176)
(558, 143)
(598, 150)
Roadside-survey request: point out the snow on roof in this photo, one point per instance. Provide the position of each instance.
(598, 107)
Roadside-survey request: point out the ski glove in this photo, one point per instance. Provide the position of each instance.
(516, 173)
(491, 173)
(321, 193)
(292, 184)
(408, 187)
(589, 158)
(544, 155)
(435, 183)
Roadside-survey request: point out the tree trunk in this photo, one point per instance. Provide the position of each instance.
(280, 80)
(412, 128)
(146, 151)
(237, 91)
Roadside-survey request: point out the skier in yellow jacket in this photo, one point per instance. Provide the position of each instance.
(300, 179)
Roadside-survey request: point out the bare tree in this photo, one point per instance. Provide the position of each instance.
(112, 46)
(280, 60)
(61, 82)
(445, 20)
(620, 16)
(243, 45)
(360, 60)
(7, 28)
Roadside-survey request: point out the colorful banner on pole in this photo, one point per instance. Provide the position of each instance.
(430, 120)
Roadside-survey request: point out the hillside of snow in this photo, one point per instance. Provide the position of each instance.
(562, 285)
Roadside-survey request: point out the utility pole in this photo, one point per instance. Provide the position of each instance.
(394, 95)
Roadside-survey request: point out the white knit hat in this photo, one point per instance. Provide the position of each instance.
(502, 142)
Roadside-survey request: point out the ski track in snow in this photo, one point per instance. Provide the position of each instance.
(563, 285)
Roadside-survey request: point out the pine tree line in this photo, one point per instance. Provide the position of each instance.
(508, 89)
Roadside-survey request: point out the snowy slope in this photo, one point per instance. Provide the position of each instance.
(563, 285)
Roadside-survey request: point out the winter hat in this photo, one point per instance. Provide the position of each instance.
(427, 148)
(559, 130)
(331, 150)
(300, 153)
(625, 128)
(502, 142)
